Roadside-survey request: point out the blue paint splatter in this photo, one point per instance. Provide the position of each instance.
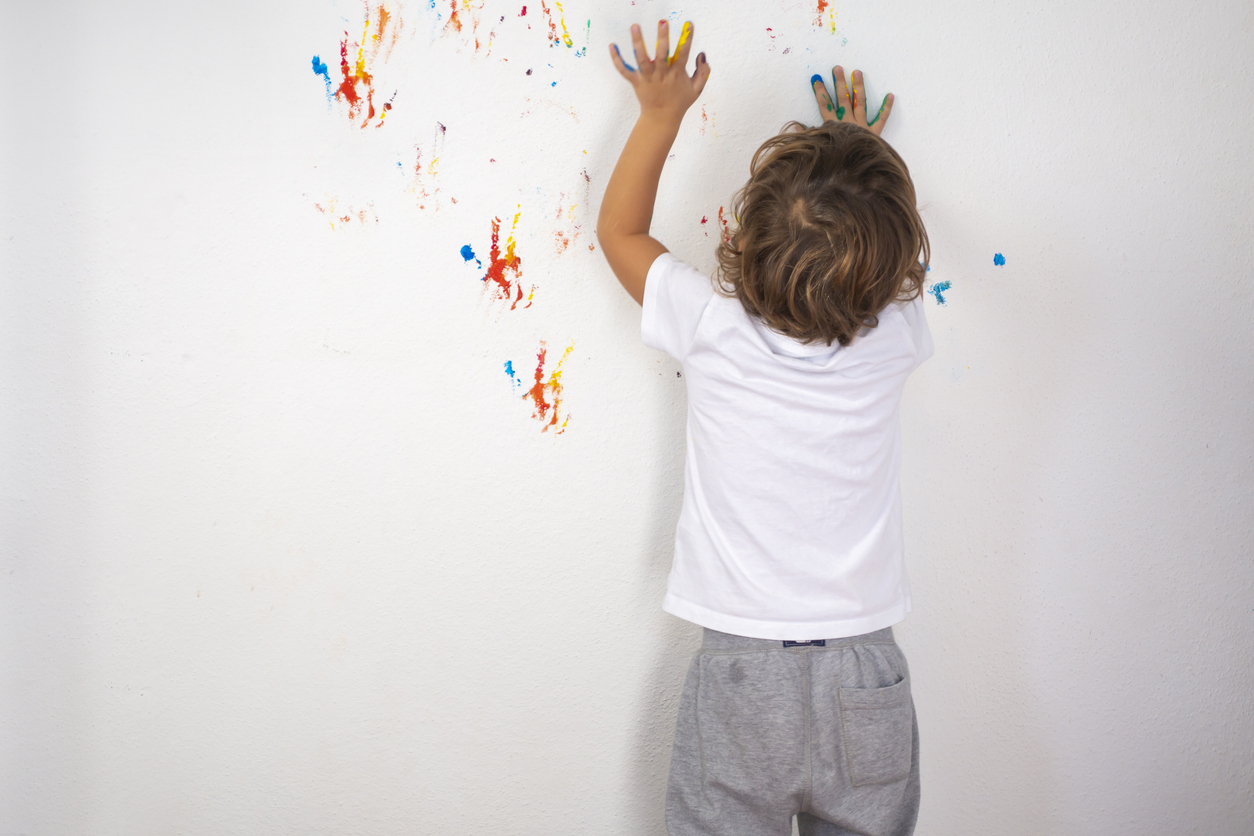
(509, 370)
(468, 254)
(321, 69)
(999, 259)
(554, 84)
(938, 290)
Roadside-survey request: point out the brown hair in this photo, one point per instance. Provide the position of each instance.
(827, 234)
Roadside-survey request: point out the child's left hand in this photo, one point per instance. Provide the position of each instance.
(663, 86)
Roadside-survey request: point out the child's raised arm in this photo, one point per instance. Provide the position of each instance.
(665, 92)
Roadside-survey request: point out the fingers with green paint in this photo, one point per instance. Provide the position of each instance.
(881, 116)
(850, 103)
(843, 105)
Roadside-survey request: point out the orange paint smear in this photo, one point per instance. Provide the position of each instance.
(831, 17)
(546, 395)
(464, 21)
(508, 262)
(356, 88)
(548, 16)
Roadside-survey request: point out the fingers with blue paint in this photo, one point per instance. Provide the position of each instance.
(619, 62)
(662, 83)
(826, 109)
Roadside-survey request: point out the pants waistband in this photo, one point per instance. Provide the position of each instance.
(716, 641)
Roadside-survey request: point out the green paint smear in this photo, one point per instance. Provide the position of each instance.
(878, 112)
(829, 105)
(840, 112)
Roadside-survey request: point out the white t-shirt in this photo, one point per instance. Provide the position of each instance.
(791, 523)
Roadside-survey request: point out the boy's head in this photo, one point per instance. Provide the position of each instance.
(827, 233)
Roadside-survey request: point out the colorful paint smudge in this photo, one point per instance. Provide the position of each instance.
(564, 38)
(503, 278)
(426, 183)
(335, 215)
(546, 394)
(724, 226)
(823, 6)
(938, 290)
(570, 227)
(465, 22)
(356, 88)
(707, 119)
(999, 259)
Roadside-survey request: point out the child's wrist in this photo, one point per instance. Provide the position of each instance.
(661, 118)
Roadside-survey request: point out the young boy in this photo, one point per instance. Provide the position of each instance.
(789, 545)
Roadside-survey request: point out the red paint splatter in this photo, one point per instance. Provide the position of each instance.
(356, 87)
(818, 15)
(523, 13)
(726, 227)
(546, 395)
(548, 16)
(502, 263)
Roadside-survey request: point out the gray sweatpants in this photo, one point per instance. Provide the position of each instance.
(768, 730)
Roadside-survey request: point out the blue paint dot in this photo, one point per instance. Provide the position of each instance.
(938, 290)
(554, 84)
(320, 68)
(467, 253)
(999, 259)
(509, 370)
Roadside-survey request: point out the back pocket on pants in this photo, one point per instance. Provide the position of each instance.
(878, 729)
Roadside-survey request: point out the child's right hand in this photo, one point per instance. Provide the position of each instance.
(663, 86)
(844, 110)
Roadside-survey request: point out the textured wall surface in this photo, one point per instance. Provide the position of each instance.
(286, 548)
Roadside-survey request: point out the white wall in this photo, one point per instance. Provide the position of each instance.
(283, 551)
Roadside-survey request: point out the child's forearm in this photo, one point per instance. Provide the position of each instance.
(627, 208)
(665, 91)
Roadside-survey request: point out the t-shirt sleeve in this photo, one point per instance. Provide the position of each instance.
(922, 335)
(675, 297)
